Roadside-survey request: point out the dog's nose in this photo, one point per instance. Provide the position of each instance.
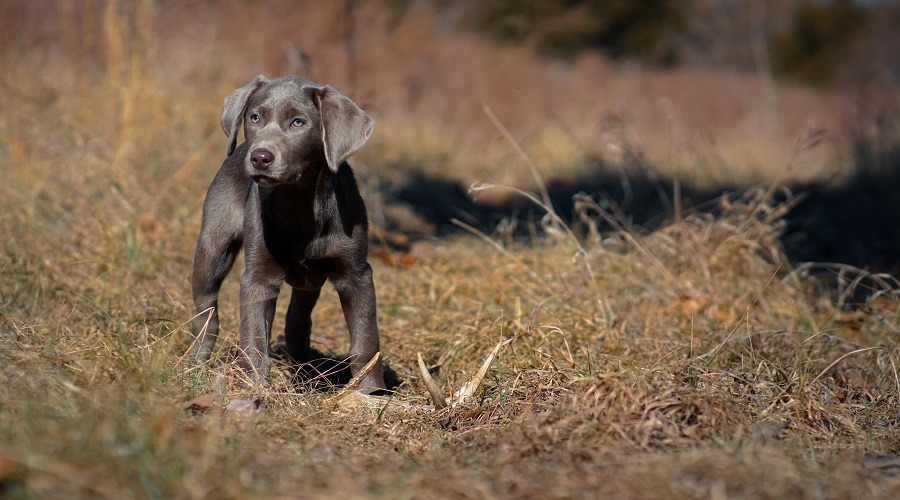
(261, 158)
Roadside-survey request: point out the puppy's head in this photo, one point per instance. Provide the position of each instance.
(291, 126)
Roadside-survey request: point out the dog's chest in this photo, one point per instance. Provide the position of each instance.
(301, 252)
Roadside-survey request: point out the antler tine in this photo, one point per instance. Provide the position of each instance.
(437, 397)
(468, 389)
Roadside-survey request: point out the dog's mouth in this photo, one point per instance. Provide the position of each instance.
(265, 180)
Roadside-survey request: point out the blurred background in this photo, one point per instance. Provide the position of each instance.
(652, 107)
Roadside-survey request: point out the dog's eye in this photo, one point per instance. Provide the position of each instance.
(254, 118)
(297, 122)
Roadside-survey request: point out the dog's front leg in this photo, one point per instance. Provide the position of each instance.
(357, 294)
(220, 239)
(258, 296)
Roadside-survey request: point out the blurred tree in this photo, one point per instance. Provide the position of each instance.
(726, 32)
(648, 29)
(815, 43)
(875, 55)
(642, 29)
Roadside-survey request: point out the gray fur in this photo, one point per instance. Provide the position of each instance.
(288, 197)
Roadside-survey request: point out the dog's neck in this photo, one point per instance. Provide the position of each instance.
(301, 208)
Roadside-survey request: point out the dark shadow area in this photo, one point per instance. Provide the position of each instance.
(853, 221)
(637, 200)
(325, 371)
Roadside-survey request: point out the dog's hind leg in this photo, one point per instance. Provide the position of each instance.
(298, 324)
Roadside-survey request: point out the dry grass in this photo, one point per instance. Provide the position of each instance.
(690, 361)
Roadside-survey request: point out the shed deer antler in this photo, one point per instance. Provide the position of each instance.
(467, 391)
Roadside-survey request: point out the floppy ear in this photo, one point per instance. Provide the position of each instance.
(233, 109)
(345, 127)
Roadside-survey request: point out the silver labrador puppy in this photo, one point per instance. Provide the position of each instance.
(289, 198)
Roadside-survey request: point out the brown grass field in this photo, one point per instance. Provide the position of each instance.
(693, 360)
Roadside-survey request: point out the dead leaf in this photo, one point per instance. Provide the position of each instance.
(7, 466)
(689, 306)
(394, 258)
(15, 147)
(382, 254)
(399, 241)
(886, 303)
(422, 249)
(162, 430)
(201, 404)
(147, 224)
(721, 314)
(850, 319)
(407, 260)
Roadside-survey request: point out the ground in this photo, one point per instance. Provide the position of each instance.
(693, 358)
